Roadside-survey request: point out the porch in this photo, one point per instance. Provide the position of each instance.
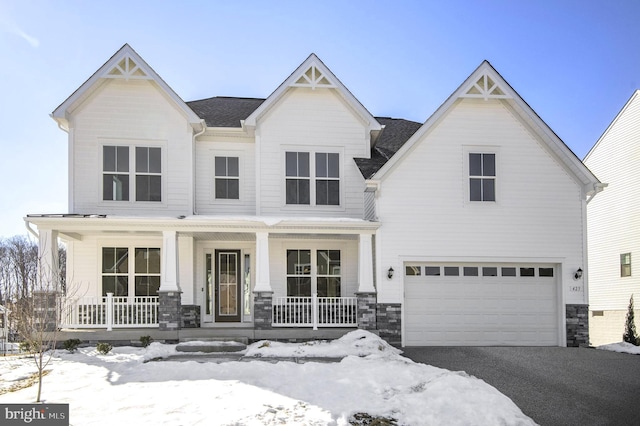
(111, 312)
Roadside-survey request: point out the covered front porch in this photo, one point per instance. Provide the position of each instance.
(251, 292)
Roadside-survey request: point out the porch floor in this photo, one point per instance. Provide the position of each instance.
(131, 336)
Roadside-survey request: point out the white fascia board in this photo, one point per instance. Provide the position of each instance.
(79, 225)
(60, 114)
(313, 60)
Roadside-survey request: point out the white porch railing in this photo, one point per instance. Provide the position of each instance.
(109, 312)
(314, 312)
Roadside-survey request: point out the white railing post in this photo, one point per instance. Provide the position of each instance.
(314, 310)
(109, 311)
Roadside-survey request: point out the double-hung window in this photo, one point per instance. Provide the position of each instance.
(324, 170)
(116, 173)
(147, 271)
(625, 265)
(148, 174)
(115, 271)
(227, 178)
(304, 276)
(297, 178)
(327, 179)
(482, 177)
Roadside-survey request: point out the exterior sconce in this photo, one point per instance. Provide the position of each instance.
(390, 273)
(578, 274)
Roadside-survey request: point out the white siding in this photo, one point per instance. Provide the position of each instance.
(614, 214)
(131, 113)
(310, 120)
(537, 216)
(206, 150)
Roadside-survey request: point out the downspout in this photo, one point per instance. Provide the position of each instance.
(193, 166)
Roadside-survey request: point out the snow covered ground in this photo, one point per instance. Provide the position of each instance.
(123, 388)
(624, 347)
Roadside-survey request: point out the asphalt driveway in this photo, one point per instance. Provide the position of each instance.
(553, 386)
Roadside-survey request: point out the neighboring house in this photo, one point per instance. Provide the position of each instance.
(269, 218)
(614, 225)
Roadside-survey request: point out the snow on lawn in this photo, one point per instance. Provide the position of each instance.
(624, 347)
(121, 387)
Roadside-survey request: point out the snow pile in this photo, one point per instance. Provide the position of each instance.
(623, 347)
(373, 378)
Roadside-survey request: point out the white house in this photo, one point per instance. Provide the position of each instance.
(614, 225)
(302, 215)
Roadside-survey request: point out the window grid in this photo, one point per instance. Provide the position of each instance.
(482, 177)
(314, 182)
(148, 174)
(227, 178)
(625, 265)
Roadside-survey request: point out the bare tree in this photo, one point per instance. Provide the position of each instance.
(34, 296)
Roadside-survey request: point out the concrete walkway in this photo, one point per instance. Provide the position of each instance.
(553, 386)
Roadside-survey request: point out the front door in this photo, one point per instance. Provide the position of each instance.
(227, 300)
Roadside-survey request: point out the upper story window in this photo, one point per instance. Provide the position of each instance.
(227, 178)
(297, 181)
(116, 176)
(482, 177)
(327, 179)
(625, 265)
(115, 173)
(325, 172)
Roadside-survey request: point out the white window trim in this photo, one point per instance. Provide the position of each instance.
(480, 149)
(133, 144)
(312, 178)
(241, 177)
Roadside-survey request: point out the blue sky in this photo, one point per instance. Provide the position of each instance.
(575, 62)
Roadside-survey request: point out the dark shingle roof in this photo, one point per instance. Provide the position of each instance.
(394, 135)
(224, 111)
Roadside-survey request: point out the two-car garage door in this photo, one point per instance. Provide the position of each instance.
(480, 304)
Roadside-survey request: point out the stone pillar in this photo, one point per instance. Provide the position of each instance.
(366, 311)
(389, 322)
(365, 265)
(577, 317)
(169, 294)
(262, 309)
(169, 310)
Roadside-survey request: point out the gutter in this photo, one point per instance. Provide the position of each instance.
(193, 166)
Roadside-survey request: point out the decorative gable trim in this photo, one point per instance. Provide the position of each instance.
(485, 82)
(124, 64)
(314, 74)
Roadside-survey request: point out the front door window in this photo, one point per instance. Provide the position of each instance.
(227, 286)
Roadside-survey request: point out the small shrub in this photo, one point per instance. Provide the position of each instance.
(71, 345)
(104, 348)
(25, 346)
(630, 335)
(265, 344)
(145, 341)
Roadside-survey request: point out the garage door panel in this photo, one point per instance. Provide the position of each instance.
(496, 310)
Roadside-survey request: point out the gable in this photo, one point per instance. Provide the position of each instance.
(124, 65)
(313, 74)
(486, 84)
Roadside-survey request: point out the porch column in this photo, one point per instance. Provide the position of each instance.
(48, 270)
(169, 294)
(365, 265)
(262, 292)
(263, 282)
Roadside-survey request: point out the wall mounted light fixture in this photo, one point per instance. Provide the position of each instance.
(578, 274)
(390, 273)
